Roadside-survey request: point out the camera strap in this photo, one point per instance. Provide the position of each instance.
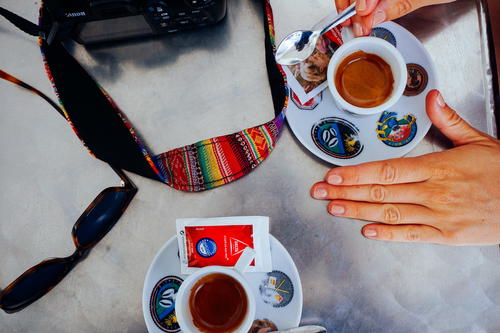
(109, 136)
(21, 23)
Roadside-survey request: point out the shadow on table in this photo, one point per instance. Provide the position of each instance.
(429, 21)
(163, 50)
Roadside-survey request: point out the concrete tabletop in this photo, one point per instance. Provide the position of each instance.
(189, 86)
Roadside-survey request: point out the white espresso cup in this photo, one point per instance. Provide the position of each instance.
(182, 311)
(381, 48)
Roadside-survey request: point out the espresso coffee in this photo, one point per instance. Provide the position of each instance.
(364, 80)
(218, 303)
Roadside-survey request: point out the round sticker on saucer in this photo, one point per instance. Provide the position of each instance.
(162, 304)
(394, 131)
(417, 80)
(277, 289)
(384, 34)
(337, 137)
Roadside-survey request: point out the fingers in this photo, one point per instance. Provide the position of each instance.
(368, 15)
(413, 233)
(341, 6)
(400, 193)
(449, 122)
(384, 213)
(375, 18)
(365, 10)
(395, 171)
(357, 26)
(366, 7)
(360, 6)
(373, 12)
(346, 23)
(396, 8)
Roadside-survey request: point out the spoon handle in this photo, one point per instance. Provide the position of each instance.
(334, 19)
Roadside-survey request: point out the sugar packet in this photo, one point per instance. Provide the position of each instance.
(221, 240)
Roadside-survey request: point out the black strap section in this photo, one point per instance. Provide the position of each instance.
(23, 24)
(97, 122)
(276, 81)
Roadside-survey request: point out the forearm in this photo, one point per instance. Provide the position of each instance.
(397, 8)
(424, 3)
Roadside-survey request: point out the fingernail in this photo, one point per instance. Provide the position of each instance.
(320, 193)
(334, 179)
(370, 232)
(358, 29)
(440, 101)
(379, 17)
(361, 4)
(337, 210)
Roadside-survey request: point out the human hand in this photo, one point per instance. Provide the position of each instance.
(450, 197)
(373, 12)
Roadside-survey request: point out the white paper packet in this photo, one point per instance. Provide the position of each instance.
(216, 241)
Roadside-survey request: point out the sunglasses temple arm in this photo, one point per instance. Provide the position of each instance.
(123, 177)
(7, 77)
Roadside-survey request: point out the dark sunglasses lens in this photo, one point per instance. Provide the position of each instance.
(34, 283)
(106, 211)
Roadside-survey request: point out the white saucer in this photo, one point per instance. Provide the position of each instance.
(343, 138)
(278, 294)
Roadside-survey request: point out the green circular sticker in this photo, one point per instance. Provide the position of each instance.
(337, 137)
(162, 304)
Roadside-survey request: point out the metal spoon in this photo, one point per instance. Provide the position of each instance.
(304, 329)
(299, 45)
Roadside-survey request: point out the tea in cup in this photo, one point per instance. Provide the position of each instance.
(217, 299)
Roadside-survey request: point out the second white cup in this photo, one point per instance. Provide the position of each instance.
(182, 310)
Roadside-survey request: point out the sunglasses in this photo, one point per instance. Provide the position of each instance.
(94, 223)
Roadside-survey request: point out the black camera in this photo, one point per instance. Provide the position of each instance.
(95, 21)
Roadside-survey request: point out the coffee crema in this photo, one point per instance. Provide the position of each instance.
(218, 303)
(364, 80)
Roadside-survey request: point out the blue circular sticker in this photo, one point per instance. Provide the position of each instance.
(162, 304)
(337, 137)
(206, 247)
(384, 34)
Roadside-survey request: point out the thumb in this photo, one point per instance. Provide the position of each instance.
(449, 122)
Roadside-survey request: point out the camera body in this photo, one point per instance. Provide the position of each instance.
(95, 21)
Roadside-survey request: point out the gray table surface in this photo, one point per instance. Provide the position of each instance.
(185, 87)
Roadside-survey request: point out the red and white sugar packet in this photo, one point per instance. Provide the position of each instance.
(221, 240)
